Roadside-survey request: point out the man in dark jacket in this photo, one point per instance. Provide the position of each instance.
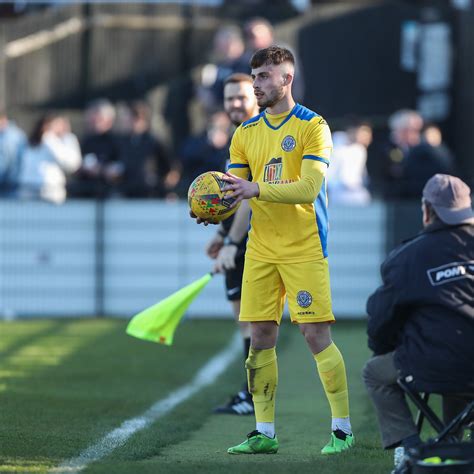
(421, 320)
(145, 162)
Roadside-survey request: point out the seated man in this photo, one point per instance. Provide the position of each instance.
(421, 320)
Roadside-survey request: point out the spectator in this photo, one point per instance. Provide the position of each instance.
(421, 320)
(433, 136)
(146, 167)
(101, 169)
(226, 59)
(347, 175)
(386, 170)
(52, 154)
(431, 156)
(259, 34)
(205, 152)
(12, 143)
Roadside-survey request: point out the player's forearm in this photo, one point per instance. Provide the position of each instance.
(240, 225)
(304, 191)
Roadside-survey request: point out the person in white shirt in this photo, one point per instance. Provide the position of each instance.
(347, 175)
(52, 154)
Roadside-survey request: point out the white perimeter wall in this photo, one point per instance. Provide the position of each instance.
(151, 248)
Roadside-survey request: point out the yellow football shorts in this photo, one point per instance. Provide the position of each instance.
(265, 286)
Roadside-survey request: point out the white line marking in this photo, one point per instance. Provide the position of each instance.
(118, 437)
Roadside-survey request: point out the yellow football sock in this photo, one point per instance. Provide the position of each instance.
(262, 373)
(332, 373)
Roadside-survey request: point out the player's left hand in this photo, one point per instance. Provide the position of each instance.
(214, 246)
(226, 258)
(240, 188)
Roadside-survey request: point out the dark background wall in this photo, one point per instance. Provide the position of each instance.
(463, 93)
(351, 62)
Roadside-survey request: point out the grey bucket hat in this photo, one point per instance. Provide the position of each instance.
(450, 198)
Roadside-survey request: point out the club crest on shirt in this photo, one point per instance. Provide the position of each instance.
(288, 143)
(304, 298)
(273, 170)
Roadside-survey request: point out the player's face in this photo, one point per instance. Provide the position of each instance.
(268, 84)
(240, 102)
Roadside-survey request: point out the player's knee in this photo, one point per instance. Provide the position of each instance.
(264, 334)
(317, 336)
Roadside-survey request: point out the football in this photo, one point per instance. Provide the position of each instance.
(207, 200)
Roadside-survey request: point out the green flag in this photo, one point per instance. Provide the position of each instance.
(158, 322)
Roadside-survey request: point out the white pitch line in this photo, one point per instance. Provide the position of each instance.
(119, 436)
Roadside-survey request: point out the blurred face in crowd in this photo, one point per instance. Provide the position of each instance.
(228, 45)
(99, 120)
(361, 134)
(432, 136)
(218, 131)
(272, 82)
(259, 35)
(240, 102)
(3, 121)
(407, 132)
(60, 126)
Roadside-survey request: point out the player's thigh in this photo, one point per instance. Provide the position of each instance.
(233, 280)
(263, 294)
(308, 291)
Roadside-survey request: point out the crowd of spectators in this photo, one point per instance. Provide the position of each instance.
(122, 157)
(51, 163)
(413, 152)
(131, 161)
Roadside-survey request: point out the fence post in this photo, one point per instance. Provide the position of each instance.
(99, 256)
(85, 51)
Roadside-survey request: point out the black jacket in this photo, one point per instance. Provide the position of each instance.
(146, 164)
(425, 309)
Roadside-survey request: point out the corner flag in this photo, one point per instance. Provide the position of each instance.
(158, 322)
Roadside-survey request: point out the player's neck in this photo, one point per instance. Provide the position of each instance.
(285, 104)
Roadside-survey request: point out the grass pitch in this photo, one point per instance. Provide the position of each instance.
(64, 384)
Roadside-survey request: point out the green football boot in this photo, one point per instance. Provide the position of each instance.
(337, 445)
(256, 443)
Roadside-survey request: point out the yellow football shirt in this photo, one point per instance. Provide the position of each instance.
(287, 155)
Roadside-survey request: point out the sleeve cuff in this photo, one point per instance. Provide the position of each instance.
(263, 188)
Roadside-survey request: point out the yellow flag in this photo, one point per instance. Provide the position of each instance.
(158, 322)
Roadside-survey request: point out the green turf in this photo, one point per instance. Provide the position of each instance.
(65, 384)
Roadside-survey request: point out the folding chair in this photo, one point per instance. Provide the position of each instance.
(444, 431)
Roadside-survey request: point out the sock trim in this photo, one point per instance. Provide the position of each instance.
(259, 358)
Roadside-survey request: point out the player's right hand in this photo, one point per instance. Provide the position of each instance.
(201, 221)
(239, 188)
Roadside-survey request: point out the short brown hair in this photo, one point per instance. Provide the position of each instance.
(238, 77)
(271, 55)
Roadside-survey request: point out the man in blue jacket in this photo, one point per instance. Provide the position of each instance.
(421, 320)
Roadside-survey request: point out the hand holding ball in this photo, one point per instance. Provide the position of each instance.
(207, 200)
